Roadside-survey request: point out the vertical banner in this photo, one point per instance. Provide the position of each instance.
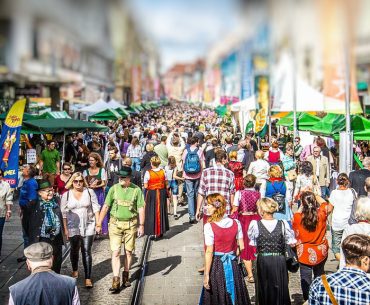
(246, 72)
(9, 142)
(136, 84)
(230, 80)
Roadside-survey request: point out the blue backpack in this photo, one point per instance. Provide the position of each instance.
(192, 162)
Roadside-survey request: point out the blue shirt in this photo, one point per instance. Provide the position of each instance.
(28, 192)
(349, 286)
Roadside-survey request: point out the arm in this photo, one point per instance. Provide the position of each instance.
(327, 173)
(141, 221)
(58, 167)
(103, 212)
(200, 199)
(207, 266)
(9, 203)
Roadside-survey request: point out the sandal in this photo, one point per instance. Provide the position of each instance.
(250, 279)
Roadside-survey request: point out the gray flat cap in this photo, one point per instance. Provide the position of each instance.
(38, 252)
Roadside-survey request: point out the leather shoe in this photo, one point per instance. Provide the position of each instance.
(115, 285)
(125, 279)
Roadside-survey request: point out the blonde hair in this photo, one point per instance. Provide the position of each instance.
(220, 210)
(155, 161)
(233, 155)
(267, 205)
(275, 171)
(362, 212)
(69, 183)
(149, 147)
(259, 154)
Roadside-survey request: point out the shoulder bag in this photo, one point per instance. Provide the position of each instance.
(328, 290)
(291, 258)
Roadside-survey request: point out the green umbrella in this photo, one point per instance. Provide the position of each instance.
(54, 115)
(133, 110)
(106, 115)
(304, 120)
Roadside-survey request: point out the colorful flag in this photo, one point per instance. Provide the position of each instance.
(9, 142)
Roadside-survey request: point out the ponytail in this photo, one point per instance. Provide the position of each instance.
(309, 211)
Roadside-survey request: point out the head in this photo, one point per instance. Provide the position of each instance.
(366, 162)
(76, 182)
(127, 161)
(164, 139)
(67, 168)
(193, 141)
(275, 171)
(95, 160)
(172, 161)
(113, 153)
(28, 171)
(155, 161)
(362, 212)
(259, 154)
(125, 176)
(289, 149)
(343, 180)
(297, 140)
(96, 145)
(275, 145)
(233, 155)
(320, 142)
(39, 255)
(356, 250)
(220, 156)
(216, 207)
(249, 181)
(51, 144)
(306, 168)
(309, 211)
(267, 206)
(149, 147)
(316, 151)
(45, 191)
(135, 141)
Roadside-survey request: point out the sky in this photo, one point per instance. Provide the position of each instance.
(184, 30)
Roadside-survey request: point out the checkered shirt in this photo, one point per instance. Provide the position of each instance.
(217, 179)
(350, 286)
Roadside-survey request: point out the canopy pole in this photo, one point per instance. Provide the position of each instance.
(64, 148)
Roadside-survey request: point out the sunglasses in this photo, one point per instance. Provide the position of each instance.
(78, 181)
(67, 169)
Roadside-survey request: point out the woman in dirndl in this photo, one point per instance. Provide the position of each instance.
(96, 179)
(270, 236)
(223, 278)
(245, 205)
(156, 214)
(237, 168)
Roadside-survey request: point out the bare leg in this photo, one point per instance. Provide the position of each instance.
(248, 266)
(174, 199)
(127, 261)
(116, 262)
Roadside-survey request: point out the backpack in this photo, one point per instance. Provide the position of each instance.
(279, 198)
(192, 162)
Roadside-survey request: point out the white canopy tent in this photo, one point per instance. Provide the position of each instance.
(115, 104)
(98, 106)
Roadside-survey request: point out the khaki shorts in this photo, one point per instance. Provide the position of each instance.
(122, 232)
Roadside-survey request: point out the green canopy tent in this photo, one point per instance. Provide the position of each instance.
(304, 120)
(106, 115)
(123, 112)
(133, 110)
(26, 117)
(65, 126)
(332, 124)
(221, 110)
(145, 106)
(54, 115)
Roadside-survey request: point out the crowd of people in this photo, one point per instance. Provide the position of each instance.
(255, 202)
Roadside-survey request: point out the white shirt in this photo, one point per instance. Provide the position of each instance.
(342, 200)
(225, 222)
(147, 175)
(259, 168)
(270, 225)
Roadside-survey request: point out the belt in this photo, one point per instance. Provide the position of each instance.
(117, 219)
(270, 254)
(248, 213)
(226, 259)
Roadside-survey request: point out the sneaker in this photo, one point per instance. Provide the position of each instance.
(176, 216)
(192, 221)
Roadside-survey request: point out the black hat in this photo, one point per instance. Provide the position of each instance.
(44, 184)
(125, 172)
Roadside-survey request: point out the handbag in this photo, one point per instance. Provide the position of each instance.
(291, 258)
(292, 175)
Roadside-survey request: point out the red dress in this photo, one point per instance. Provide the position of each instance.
(237, 168)
(59, 185)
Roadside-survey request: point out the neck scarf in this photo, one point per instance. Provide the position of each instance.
(51, 224)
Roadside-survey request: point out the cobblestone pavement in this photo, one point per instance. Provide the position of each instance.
(12, 272)
(172, 276)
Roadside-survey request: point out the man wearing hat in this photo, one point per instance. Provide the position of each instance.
(125, 201)
(43, 286)
(46, 222)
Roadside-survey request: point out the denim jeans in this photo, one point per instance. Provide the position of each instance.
(306, 276)
(192, 186)
(324, 192)
(2, 223)
(135, 164)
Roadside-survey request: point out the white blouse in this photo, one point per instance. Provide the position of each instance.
(225, 222)
(147, 175)
(270, 225)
